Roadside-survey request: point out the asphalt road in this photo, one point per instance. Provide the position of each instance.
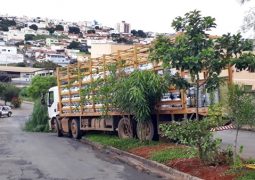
(245, 139)
(44, 156)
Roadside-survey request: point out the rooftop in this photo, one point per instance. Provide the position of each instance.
(20, 69)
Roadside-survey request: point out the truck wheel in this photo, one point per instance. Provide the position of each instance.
(75, 129)
(125, 129)
(57, 128)
(145, 130)
(9, 114)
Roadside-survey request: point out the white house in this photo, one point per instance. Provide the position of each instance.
(8, 54)
(59, 59)
(15, 34)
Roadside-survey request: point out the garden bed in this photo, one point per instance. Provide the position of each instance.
(179, 157)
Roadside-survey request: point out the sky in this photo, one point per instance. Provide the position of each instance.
(148, 15)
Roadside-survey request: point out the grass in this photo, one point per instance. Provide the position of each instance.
(173, 153)
(114, 141)
(248, 175)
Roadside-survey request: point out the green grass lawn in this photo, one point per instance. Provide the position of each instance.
(173, 153)
(115, 141)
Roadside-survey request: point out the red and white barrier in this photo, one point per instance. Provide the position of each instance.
(221, 128)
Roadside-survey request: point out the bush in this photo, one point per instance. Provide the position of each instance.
(38, 121)
(16, 102)
(197, 134)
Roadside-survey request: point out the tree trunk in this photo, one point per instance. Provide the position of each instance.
(235, 143)
(197, 94)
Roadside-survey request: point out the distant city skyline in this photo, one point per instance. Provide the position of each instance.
(153, 15)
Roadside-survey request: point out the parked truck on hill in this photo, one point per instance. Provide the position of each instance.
(69, 114)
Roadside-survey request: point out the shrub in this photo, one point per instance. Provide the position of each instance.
(16, 102)
(197, 134)
(38, 121)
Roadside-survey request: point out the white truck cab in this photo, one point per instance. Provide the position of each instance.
(52, 103)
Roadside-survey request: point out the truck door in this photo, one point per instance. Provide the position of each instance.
(52, 105)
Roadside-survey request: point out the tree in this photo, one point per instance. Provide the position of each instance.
(40, 85)
(241, 109)
(192, 50)
(134, 32)
(51, 30)
(29, 37)
(9, 92)
(91, 31)
(49, 65)
(34, 27)
(138, 94)
(139, 33)
(74, 45)
(59, 27)
(74, 30)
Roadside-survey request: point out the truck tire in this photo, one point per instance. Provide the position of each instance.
(148, 130)
(75, 129)
(125, 129)
(9, 114)
(57, 127)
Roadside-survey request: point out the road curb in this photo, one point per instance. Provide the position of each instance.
(141, 163)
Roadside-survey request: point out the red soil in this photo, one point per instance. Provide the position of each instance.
(195, 167)
(145, 151)
(192, 166)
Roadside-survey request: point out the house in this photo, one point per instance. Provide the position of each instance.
(59, 59)
(8, 54)
(22, 76)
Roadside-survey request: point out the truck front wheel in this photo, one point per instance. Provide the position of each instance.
(125, 129)
(58, 130)
(75, 129)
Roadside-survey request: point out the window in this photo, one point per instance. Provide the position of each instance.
(50, 98)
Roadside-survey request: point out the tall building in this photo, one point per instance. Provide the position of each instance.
(123, 27)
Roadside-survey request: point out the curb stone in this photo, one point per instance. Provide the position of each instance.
(141, 163)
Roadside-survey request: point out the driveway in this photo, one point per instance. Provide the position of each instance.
(44, 156)
(245, 138)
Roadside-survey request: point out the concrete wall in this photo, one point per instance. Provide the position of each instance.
(98, 50)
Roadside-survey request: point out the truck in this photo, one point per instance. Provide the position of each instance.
(69, 114)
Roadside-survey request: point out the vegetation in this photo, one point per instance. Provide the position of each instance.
(138, 93)
(49, 65)
(197, 134)
(139, 33)
(34, 27)
(59, 27)
(74, 30)
(241, 109)
(40, 85)
(173, 153)
(114, 141)
(8, 92)
(6, 23)
(192, 50)
(38, 121)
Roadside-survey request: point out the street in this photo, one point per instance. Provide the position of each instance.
(45, 156)
(245, 139)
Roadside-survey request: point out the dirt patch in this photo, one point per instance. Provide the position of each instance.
(146, 151)
(195, 167)
(192, 166)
